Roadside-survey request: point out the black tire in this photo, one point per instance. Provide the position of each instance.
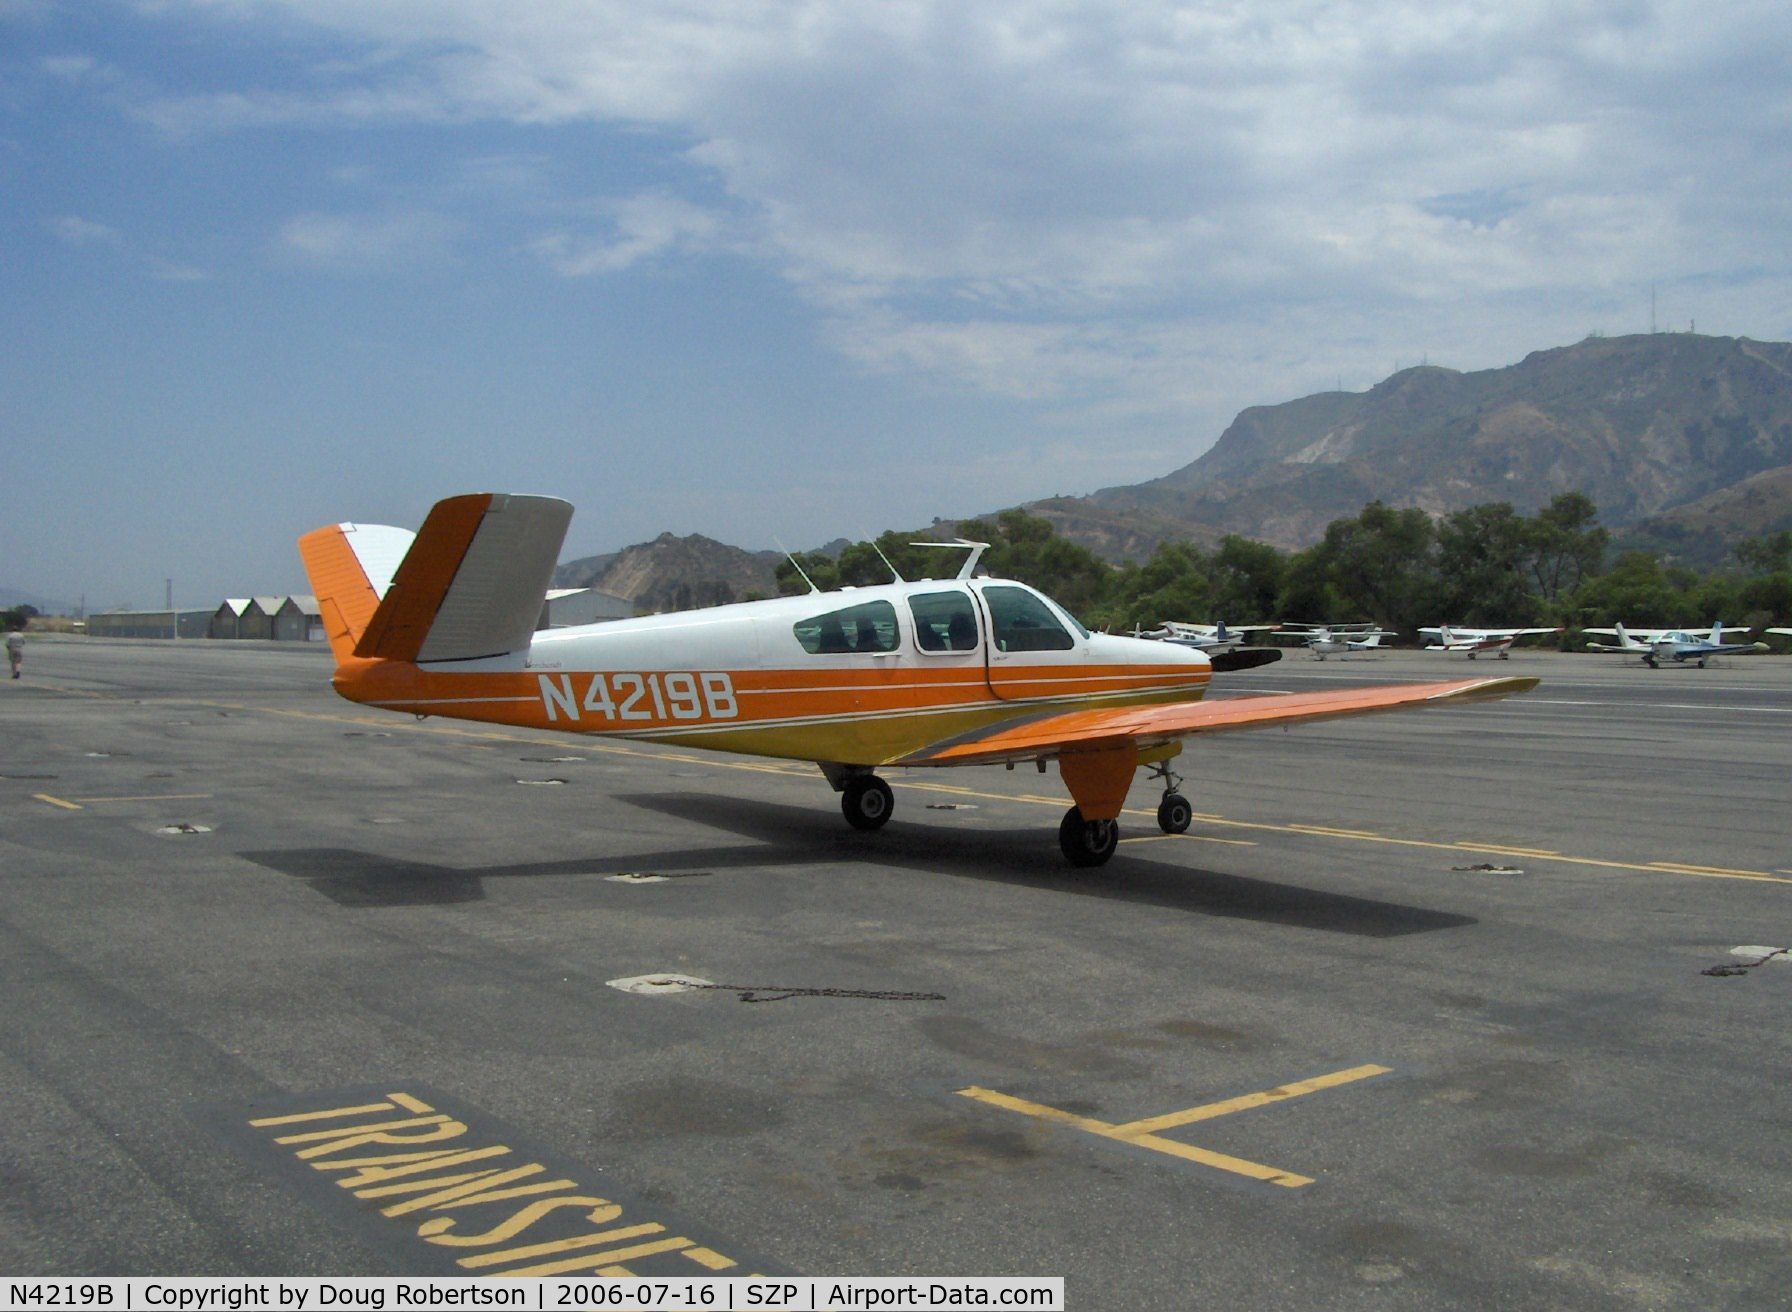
(867, 802)
(1174, 814)
(1087, 842)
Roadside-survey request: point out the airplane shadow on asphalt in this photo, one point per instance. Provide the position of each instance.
(782, 835)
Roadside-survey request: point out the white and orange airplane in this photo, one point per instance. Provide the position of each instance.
(960, 671)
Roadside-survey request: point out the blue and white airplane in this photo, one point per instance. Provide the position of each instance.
(1678, 645)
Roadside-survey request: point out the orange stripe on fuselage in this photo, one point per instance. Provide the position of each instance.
(856, 716)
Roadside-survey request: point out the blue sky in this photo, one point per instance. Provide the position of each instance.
(804, 270)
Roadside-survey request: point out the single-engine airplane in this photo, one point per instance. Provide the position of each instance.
(1210, 638)
(1678, 645)
(1336, 639)
(960, 671)
(1477, 642)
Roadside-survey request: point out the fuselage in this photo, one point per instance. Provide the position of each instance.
(861, 676)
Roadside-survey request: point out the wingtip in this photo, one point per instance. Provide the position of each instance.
(1486, 688)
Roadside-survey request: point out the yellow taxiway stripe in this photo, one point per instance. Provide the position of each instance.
(1207, 1112)
(1143, 1133)
(1169, 1147)
(82, 803)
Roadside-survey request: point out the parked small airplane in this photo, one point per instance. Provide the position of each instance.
(1477, 642)
(1336, 639)
(963, 671)
(1209, 638)
(1679, 645)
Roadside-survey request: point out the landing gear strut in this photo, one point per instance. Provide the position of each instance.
(1173, 813)
(1087, 842)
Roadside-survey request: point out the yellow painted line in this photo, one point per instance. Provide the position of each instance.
(1143, 1133)
(1192, 838)
(57, 801)
(1268, 1096)
(1187, 1152)
(1681, 868)
(1331, 832)
(1502, 850)
(148, 797)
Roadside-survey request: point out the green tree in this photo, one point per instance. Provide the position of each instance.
(1635, 590)
(1567, 545)
(1771, 554)
(1306, 594)
(1482, 559)
(1174, 584)
(1246, 577)
(1380, 564)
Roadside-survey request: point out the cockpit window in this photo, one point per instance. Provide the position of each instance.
(944, 621)
(867, 627)
(1023, 622)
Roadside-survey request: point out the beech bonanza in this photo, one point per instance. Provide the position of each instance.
(1678, 645)
(963, 671)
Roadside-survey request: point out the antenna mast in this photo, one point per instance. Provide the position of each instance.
(797, 566)
(976, 550)
(894, 572)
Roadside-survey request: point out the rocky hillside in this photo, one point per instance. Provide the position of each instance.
(1706, 531)
(1642, 424)
(674, 573)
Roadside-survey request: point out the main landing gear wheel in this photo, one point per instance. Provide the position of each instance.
(1087, 842)
(1174, 814)
(867, 802)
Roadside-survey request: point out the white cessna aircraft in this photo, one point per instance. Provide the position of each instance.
(1476, 642)
(1335, 639)
(959, 671)
(1209, 638)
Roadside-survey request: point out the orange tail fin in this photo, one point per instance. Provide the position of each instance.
(469, 584)
(351, 566)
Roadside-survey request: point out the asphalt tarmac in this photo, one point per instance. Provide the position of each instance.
(1418, 1015)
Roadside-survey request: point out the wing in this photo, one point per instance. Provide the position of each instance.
(1052, 733)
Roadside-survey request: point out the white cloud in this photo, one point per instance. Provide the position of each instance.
(72, 230)
(369, 243)
(638, 228)
(1082, 202)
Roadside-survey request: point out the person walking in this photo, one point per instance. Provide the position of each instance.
(15, 650)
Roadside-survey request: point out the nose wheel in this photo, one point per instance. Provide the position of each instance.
(1173, 813)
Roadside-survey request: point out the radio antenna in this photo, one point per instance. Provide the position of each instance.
(894, 572)
(796, 565)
